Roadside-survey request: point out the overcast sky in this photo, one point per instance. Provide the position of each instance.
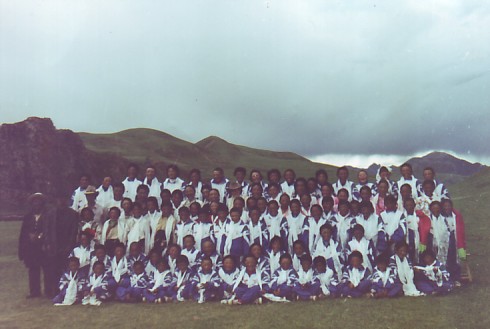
(320, 78)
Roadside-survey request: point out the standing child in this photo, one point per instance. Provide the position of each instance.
(83, 252)
(205, 282)
(296, 221)
(384, 282)
(113, 230)
(138, 228)
(274, 254)
(97, 289)
(392, 226)
(363, 245)
(236, 236)
(258, 229)
(193, 255)
(71, 285)
(368, 219)
(329, 249)
(418, 229)
(311, 231)
(356, 278)
(439, 237)
(209, 250)
(165, 229)
(219, 224)
(341, 223)
(262, 261)
(276, 224)
(138, 283)
(183, 226)
(202, 230)
(457, 240)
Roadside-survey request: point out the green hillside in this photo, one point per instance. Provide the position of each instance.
(148, 146)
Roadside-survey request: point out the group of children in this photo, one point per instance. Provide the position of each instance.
(246, 242)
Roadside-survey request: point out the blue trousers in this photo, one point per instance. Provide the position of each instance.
(362, 288)
(247, 295)
(304, 293)
(160, 292)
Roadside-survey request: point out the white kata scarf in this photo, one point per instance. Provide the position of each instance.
(405, 274)
(314, 231)
(440, 234)
(295, 225)
(119, 269)
(71, 290)
(370, 226)
(95, 281)
(305, 277)
(363, 247)
(249, 280)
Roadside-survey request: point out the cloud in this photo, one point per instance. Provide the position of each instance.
(315, 77)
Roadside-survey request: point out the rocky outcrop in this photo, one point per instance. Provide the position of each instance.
(36, 157)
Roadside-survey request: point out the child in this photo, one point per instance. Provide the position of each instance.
(161, 281)
(284, 279)
(363, 245)
(184, 225)
(432, 278)
(384, 282)
(258, 229)
(202, 230)
(298, 252)
(97, 289)
(325, 278)
(368, 219)
(83, 252)
(356, 278)
(165, 229)
(378, 200)
(113, 231)
(295, 223)
(205, 282)
(329, 249)
(119, 268)
(135, 255)
(276, 224)
(401, 265)
(439, 237)
(173, 181)
(344, 183)
(173, 252)
(306, 288)
(100, 256)
(250, 285)
(342, 222)
(418, 229)
(262, 262)
(236, 236)
(182, 287)
(274, 254)
(289, 179)
(138, 283)
(311, 231)
(392, 226)
(151, 265)
(408, 178)
(138, 228)
(71, 284)
(228, 275)
(457, 240)
(209, 250)
(193, 255)
(153, 218)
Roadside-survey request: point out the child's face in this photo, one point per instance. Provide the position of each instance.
(354, 208)
(206, 266)
(343, 210)
(381, 266)
(285, 263)
(240, 176)
(113, 214)
(134, 250)
(250, 264)
(358, 234)
(343, 196)
(138, 269)
(222, 215)
(100, 254)
(84, 240)
(166, 211)
(189, 243)
(448, 208)
(326, 191)
(87, 216)
(184, 216)
(366, 212)
(435, 209)
(276, 246)
(382, 188)
(262, 205)
(194, 209)
(406, 172)
(99, 269)
(205, 194)
(326, 234)
(321, 267)
(126, 205)
(137, 212)
(204, 218)
(306, 265)
(73, 266)
(289, 177)
(235, 216)
(182, 266)
(273, 191)
(173, 252)
(118, 192)
(154, 257)
(238, 203)
(177, 199)
(428, 259)
(161, 267)
(255, 216)
(390, 206)
(256, 251)
(306, 200)
(207, 248)
(410, 207)
(284, 201)
(365, 195)
(406, 192)
(428, 189)
(166, 196)
(342, 175)
(362, 177)
(151, 206)
(327, 206)
(356, 262)
(119, 252)
(316, 213)
(402, 252)
(295, 208)
(298, 249)
(273, 209)
(228, 265)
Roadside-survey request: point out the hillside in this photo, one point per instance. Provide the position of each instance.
(145, 146)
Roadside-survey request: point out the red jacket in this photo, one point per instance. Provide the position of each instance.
(424, 227)
(425, 224)
(460, 233)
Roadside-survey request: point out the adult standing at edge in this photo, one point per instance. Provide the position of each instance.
(37, 246)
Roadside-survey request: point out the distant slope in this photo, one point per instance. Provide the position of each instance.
(448, 168)
(145, 146)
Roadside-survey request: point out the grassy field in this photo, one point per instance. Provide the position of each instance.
(468, 307)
